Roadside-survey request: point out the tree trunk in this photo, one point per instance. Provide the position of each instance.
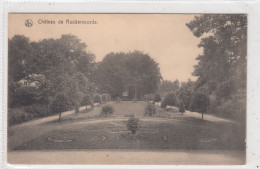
(60, 117)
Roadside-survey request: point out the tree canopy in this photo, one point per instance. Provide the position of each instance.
(222, 66)
(120, 71)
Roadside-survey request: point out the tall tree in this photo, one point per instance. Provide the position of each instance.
(134, 70)
(222, 66)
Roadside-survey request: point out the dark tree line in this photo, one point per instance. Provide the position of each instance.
(133, 71)
(67, 76)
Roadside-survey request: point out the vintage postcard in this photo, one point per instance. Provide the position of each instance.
(127, 88)
(124, 82)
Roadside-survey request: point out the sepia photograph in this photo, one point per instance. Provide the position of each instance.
(128, 89)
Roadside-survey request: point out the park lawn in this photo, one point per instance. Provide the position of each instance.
(122, 109)
(156, 133)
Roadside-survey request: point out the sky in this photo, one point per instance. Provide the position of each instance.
(164, 37)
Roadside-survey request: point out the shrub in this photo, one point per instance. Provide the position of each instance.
(87, 101)
(233, 109)
(107, 111)
(169, 100)
(181, 107)
(18, 115)
(133, 124)
(97, 99)
(24, 96)
(150, 110)
(157, 98)
(37, 110)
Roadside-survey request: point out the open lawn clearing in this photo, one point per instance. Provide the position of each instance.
(111, 133)
(155, 134)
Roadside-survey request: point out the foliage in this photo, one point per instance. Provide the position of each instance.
(25, 113)
(168, 86)
(37, 110)
(119, 71)
(24, 96)
(97, 99)
(169, 100)
(107, 111)
(200, 102)
(150, 110)
(157, 98)
(87, 100)
(233, 109)
(105, 98)
(150, 97)
(133, 124)
(145, 98)
(223, 62)
(18, 115)
(181, 107)
(186, 93)
(60, 104)
(63, 63)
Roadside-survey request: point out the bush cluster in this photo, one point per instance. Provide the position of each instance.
(232, 109)
(87, 101)
(148, 97)
(107, 111)
(169, 100)
(25, 113)
(150, 110)
(38, 110)
(18, 115)
(97, 99)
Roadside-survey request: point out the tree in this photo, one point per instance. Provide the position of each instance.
(19, 57)
(200, 103)
(135, 71)
(60, 104)
(224, 58)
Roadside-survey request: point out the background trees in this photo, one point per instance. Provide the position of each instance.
(59, 66)
(167, 86)
(133, 71)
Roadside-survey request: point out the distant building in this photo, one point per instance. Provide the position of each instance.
(33, 80)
